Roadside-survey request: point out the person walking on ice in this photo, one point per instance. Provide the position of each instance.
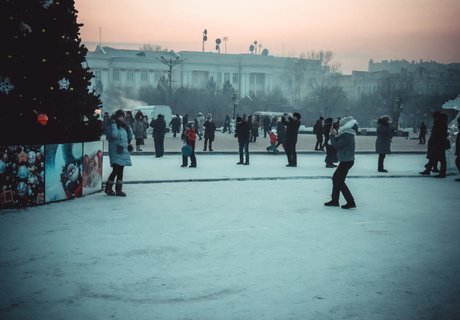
(344, 141)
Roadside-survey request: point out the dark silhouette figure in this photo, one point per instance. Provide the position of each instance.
(243, 132)
(292, 129)
(422, 133)
(437, 145)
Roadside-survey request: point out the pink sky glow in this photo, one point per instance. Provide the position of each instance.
(355, 30)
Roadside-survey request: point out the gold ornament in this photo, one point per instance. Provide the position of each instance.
(43, 60)
(70, 71)
(43, 30)
(51, 88)
(71, 89)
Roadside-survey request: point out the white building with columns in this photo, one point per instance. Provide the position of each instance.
(248, 73)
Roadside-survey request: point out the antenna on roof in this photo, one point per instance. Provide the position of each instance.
(100, 36)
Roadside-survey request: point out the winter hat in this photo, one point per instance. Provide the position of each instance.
(345, 120)
(297, 115)
(239, 119)
(119, 113)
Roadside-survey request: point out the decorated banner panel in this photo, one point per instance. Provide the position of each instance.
(63, 171)
(92, 167)
(21, 176)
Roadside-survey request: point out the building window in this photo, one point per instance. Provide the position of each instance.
(236, 78)
(199, 78)
(219, 78)
(144, 75)
(97, 75)
(130, 75)
(116, 74)
(226, 76)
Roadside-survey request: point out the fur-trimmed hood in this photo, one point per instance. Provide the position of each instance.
(348, 125)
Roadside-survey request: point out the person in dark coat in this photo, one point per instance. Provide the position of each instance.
(266, 123)
(331, 151)
(385, 133)
(292, 129)
(159, 131)
(227, 122)
(281, 130)
(175, 124)
(209, 132)
(184, 122)
(318, 131)
(243, 132)
(437, 144)
(422, 133)
(344, 141)
(119, 135)
(189, 137)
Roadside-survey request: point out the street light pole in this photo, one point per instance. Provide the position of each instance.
(170, 64)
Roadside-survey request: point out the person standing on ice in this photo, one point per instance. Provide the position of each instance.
(292, 129)
(119, 135)
(209, 132)
(158, 133)
(243, 133)
(344, 141)
(139, 130)
(437, 144)
(189, 137)
(331, 152)
(383, 142)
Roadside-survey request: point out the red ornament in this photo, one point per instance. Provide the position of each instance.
(42, 119)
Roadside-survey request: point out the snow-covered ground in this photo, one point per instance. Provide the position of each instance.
(223, 241)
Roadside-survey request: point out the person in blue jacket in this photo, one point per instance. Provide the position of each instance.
(119, 135)
(344, 141)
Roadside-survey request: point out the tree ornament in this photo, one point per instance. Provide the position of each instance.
(64, 84)
(25, 27)
(5, 85)
(47, 3)
(42, 119)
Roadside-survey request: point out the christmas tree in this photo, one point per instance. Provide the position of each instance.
(44, 79)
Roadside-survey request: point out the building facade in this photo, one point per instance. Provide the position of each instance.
(249, 74)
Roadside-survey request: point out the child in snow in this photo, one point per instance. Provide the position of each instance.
(273, 140)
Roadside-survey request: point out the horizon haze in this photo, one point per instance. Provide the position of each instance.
(355, 31)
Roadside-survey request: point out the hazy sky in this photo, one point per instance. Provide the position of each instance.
(355, 30)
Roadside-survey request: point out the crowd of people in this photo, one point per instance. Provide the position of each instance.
(337, 138)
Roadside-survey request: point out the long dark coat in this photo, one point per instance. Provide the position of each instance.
(384, 136)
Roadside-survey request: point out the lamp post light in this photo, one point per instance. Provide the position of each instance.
(205, 38)
(171, 63)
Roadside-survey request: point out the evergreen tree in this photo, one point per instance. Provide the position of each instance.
(43, 71)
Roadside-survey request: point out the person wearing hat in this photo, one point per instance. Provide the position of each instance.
(292, 130)
(158, 133)
(119, 135)
(209, 132)
(383, 142)
(243, 133)
(344, 141)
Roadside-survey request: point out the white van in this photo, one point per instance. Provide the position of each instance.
(153, 111)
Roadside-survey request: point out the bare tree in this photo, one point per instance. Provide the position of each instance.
(325, 91)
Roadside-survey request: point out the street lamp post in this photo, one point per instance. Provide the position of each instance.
(171, 63)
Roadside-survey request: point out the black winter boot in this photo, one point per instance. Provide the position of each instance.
(118, 187)
(108, 188)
